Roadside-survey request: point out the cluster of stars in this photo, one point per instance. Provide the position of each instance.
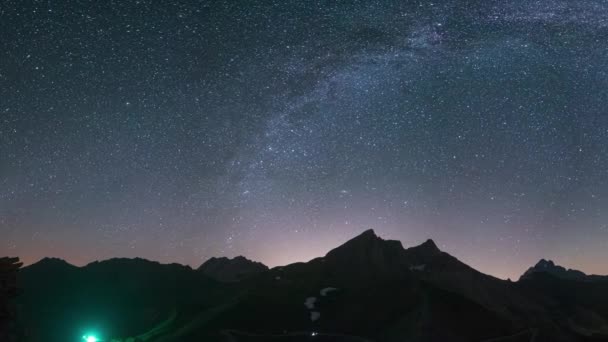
(180, 131)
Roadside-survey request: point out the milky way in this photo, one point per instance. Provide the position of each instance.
(279, 129)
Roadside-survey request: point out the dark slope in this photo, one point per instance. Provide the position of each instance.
(120, 297)
(386, 292)
(577, 305)
(382, 294)
(366, 289)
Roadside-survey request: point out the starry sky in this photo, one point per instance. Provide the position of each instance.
(278, 129)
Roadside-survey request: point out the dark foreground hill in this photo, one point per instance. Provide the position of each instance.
(368, 289)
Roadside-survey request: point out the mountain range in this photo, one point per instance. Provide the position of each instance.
(368, 289)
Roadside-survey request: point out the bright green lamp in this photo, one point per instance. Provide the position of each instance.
(90, 338)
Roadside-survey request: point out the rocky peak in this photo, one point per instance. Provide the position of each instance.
(423, 253)
(543, 264)
(365, 243)
(430, 246)
(368, 234)
(53, 263)
(230, 270)
(367, 253)
(549, 267)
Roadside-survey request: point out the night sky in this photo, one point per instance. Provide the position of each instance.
(279, 129)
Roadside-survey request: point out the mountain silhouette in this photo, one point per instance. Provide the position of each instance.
(230, 270)
(367, 289)
(548, 267)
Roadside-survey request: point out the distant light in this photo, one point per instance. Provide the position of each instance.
(90, 338)
(313, 334)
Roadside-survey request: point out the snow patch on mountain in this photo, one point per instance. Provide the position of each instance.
(417, 267)
(327, 290)
(310, 302)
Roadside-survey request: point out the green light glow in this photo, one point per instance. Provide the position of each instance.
(90, 338)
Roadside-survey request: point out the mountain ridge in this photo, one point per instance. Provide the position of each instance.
(419, 293)
(231, 269)
(545, 266)
(367, 236)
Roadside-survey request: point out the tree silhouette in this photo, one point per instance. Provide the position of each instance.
(8, 291)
